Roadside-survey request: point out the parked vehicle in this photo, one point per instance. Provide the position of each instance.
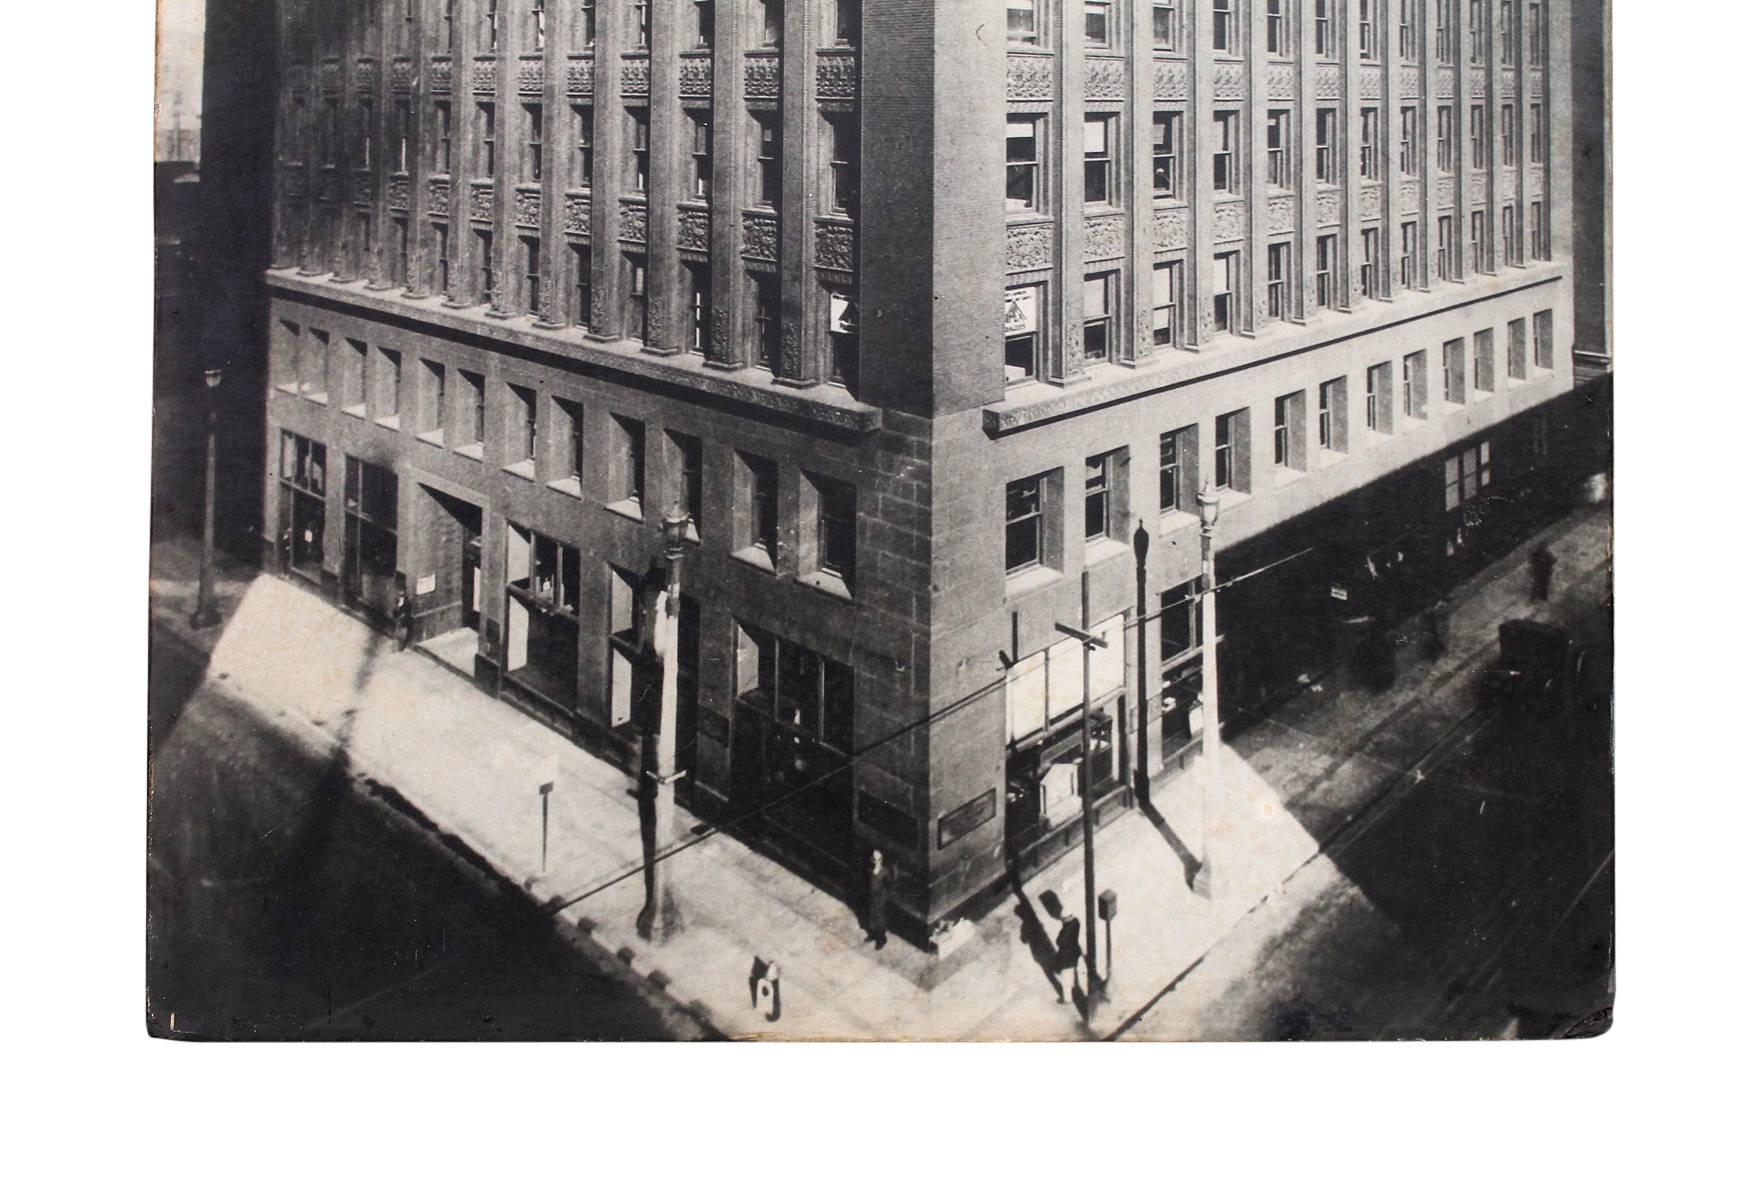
(1536, 668)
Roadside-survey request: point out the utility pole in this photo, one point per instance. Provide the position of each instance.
(1143, 542)
(659, 920)
(207, 613)
(1203, 885)
(1088, 817)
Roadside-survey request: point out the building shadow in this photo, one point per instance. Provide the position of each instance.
(1188, 859)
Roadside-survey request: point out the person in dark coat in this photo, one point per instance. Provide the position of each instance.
(1543, 566)
(1437, 618)
(403, 615)
(1067, 952)
(878, 894)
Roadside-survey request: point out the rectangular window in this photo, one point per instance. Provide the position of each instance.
(1537, 133)
(476, 393)
(1479, 242)
(769, 32)
(1516, 349)
(1177, 470)
(1096, 300)
(1443, 140)
(1539, 36)
(1379, 397)
(1543, 330)
(1025, 507)
(1479, 33)
(1275, 143)
(485, 138)
(1098, 24)
(704, 25)
(1168, 26)
(435, 414)
(1479, 138)
(1225, 27)
(844, 333)
(537, 30)
(767, 130)
(1540, 233)
(635, 324)
(1509, 234)
(1408, 41)
(442, 137)
(701, 156)
(1483, 373)
(1168, 136)
(844, 162)
(847, 17)
(1406, 255)
(1443, 30)
(760, 484)
(573, 422)
(1226, 293)
(485, 261)
(1105, 475)
(696, 307)
(1325, 275)
(533, 255)
(1168, 289)
(1323, 27)
(399, 261)
(641, 23)
(491, 24)
(1326, 147)
(363, 132)
(404, 133)
(582, 285)
(1415, 385)
(1232, 451)
(1408, 146)
(1286, 417)
(766, 321)
(1443, 254)
(1021, 322)
(1226, 152)
(1099, 160)
(639, 149)
(1452, 366)
(1024, 24)
(533, 172)
(524, 425)
(1369, 29)
(1509, 137)
(582, 146)
(1280, 265)
(1505, 24)
(835, 527)
(1332, 412)
(1275, 27)
(628, 460)
(1369, 143)
(686, 454)
(448, 24)
(1369, 264)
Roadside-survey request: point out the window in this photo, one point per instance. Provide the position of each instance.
(766, 321)
(639, 148)
(847, 17)
(1280, 259)
(1168, 136)
(1232, 451)
(399, 262)
(1177, 472)
(1509, 234)
(328, 135)
(363, 132)
(1505, 24)
(641, 23)
(582, 284)
(1369, 264)
(772, 21)
(1332, 413)
(1369, 29)
(1289, 425)
(1479, 138)
(1226, 292)
(1415, 385)
(1106, 476)
(695, 314)
(442, 137)
(844, 162)
(1466, 474)
(1226, 152)
(1325, 275)
(844, 330)
(1020, 324)
(434, 412)
(1025, 541)
(582, 148)
(1516, 349)
(1443, 139)
(760, 486)
(1225, 28)
(628, 461)
(441, 280)
(573, 422)
(491, 23)
(1443, 255)
(1539, 37)
(449, 32)
(834, 500)
(1408, 146)
(1540, 233)
(1098, 18)
(1275, 27)
(686, 455)
(1509, 137)
(701, 156)
(1024, 24)
(1100, 169)
(1379, 397)
(405, 126)
(1483, 371)
(1479, 33)
(485, 138)
(704, 24)
(1406, 256)
(1096, 297)
(524, 425)
(767, 126)
(636, 316)
(533, 256)
(1322, 27)
(1479, 242)
(1326, 139)
(1408, 43)
(1168, 288)
(1537, 133)
(485, 260)
(1543, 330)
(1275, 141)
(533, 143)
(1168, 26)
(1452, 366)
(477, 390)
(1443, 21)
(588, 22)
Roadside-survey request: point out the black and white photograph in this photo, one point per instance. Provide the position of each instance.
(881, 520)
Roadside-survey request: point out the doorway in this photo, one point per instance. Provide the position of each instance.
(446, 582)
(303, 482)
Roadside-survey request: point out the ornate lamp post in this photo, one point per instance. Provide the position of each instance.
(1209, 503)
(659, 920)
(207, 613)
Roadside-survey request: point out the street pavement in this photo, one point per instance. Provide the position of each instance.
(469, 768)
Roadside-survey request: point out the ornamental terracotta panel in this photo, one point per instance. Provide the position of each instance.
(1372, 202)
(1104, 79)
(329, 77)
(631, 223)
(579, 78)
(1410, 199)
(1104, 237)
(692, 229)
(484, 76)
(838, 76)
(402, 76)
(481, 201)
(1479, 82)
(635, 79)
(695, 78)
(396, 193)
(439, 76)
(1479, 189)
(1280, 214)
(1229, 220)
(1446, 192)
(1446, 83)
(835, 245)
(1372, 83)
(438, 197)
(1171, 80)
(1229, 81)
(1327, 81)
(1030, 77)
(1279, 81)
(1171, 228)
(576, 215)
(527, 207)
(366, 77)
(1329, 207)
(531, 77)
(761, 236)
(1030, 247)
(762, 77)
(1410, 81)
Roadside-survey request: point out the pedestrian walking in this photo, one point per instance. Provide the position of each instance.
(1437, 620)
(1067, 954)
(403, 615)
(1543, 566)
(878, 894)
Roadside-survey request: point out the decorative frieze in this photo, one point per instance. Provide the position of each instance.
(762, 77)
(1029, 247)
(838, 76)
(484, 76)
(579, 78)
(1030, 77)
(692, 229)
(1372, 202)
(1409, 81)
(1171, 79)
(1104, 79)
(1279, 81)
(1229, 81)
(631, 222)
(576, 215)
(695, 78)
(1509, 181)
(481, 201)
(835, 245)
(527, 207)
(1372, 83)
(396, 193)
(1446, 83)
(1446, 192)
(1171, 228)
(1409, 199)
(1479, 189)
(439, 76)
(329, 77)
(1327, 81)
(1279, 214)
(1479, 83)
(531, 77)
(1329, 207)
(1229, 221)
(402, 76)
(1509, 83)
(761, 236)
(1104, 237)
(636, 79)
(438, 197)
(365, 77)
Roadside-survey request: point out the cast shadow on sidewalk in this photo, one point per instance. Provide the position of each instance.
(1033, 934)
(1190, 863)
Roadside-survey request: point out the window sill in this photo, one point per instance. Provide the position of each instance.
(1102, 549)
(1330, 457)
(829, 584)
(392, 422)
(1372, 438)
(1231, 497)
(317, 397)
(567, 486)
(629, 509)
(473, 451)
(1031, 579)
(432, 436)
(1177, 520)
(358, 411)
(524, 469)
(1287, 476)
(755, 558)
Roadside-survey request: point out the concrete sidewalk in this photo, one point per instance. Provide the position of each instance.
(471, 765)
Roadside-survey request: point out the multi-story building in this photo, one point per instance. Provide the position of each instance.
(920, 309)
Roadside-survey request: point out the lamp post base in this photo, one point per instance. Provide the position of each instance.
(659, 920)
(204, 617)
(1202, 885)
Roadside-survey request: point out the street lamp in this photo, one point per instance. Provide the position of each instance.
(206, 613)
(1208, 503)
(659, 919)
